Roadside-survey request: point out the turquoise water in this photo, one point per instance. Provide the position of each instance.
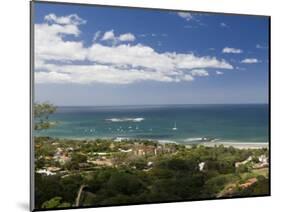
(233, 123)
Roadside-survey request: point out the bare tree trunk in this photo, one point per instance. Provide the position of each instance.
(77, 202)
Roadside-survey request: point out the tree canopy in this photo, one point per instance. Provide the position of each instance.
(42, 111)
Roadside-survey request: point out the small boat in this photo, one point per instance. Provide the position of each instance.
(175, 127)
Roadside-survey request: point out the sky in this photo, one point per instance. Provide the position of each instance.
(94, 55)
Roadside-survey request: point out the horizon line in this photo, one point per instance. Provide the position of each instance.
(252, 103)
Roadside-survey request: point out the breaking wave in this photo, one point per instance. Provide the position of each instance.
(125, 119)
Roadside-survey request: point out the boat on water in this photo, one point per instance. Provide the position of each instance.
(175, 126)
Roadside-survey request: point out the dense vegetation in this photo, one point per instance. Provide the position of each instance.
(41, 115)
(174, 175)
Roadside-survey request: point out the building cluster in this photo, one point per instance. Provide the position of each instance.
(262, 162)
(62, 156)
(140, 149)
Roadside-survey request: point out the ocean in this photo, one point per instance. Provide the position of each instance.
(167, 123)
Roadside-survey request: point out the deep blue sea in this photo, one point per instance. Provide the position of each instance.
(179, 123)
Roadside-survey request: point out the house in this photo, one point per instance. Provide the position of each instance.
(263, 162)
(125, 150)
(53, 169)
(201, 166)
(149, 163)
(61, 156)
(45, 172)
(248, 183)
(69, 149)
(263, 159)
(63, 159)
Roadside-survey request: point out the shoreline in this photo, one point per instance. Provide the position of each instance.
(235, 144)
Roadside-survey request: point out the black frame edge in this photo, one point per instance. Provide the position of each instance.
(31, 97)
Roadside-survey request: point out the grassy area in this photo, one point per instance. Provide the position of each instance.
(262, 172)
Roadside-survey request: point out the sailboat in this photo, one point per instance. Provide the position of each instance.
(175, 127)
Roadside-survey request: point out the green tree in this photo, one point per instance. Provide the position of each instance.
(76, 159)
(55, 203)
(41, 114)
(124, 183)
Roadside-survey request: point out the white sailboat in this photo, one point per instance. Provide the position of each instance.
(175, 127)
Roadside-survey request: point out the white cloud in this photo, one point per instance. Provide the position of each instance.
(190, 61)
(56, 59)
(185, 15)
(109, 35)
(49, 43)
(72, 19)
(219, 72)
(250, 60)
(199, 72)
(232, 50)
(127, 37)
(187, 77)
(52, 76)
(146, 57)
(85, 74)
(193, 19)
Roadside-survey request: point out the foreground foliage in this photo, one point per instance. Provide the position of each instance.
(171, 175)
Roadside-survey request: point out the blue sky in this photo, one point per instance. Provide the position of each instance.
(89, 55)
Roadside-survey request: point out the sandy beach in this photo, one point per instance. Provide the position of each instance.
(237, 145)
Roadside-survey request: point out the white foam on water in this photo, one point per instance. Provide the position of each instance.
(193, 139)
(167, 142)
(139, 119)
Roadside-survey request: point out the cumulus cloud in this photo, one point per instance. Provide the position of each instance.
(250, 60)
(193, 19)
(85, 74)
(139, 55)
(187, 77)
(64, 20)
(127, 37)
(58, 60)
(199, 72)
(231, 50)
(219, 72)
(49, 43)
(109, 35)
